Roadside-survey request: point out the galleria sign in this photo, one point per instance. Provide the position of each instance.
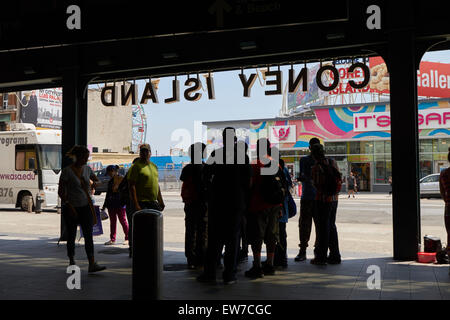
(129, 93)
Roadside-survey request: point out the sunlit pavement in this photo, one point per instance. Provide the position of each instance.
(33, 265)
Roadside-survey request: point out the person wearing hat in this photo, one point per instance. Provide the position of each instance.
(143, 184)
(114, 206)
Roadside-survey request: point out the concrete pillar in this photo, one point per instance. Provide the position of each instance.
(74, 112)
(402, 66)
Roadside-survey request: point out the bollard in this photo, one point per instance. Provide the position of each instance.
(30, 204)
(147, 251)
(38, 207)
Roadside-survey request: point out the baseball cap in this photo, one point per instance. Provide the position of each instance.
(145, 146)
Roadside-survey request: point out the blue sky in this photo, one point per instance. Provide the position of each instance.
(163, 119)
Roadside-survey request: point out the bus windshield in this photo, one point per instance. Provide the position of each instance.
(49, 156)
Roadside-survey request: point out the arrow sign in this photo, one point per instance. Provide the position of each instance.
(218, 8)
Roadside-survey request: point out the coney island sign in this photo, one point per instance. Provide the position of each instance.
(327, 79)
(433, 80)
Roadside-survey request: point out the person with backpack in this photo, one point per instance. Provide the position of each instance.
(115, 208)
(307, 202)
(266, 198)
(327, 181)
(193, 195)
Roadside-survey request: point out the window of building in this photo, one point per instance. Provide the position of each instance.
(361, 147)
(426, 145)
(336, 148)
(25, 158)
(441, 145)
(383, 169)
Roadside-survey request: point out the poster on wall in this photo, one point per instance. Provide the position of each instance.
(43, 108)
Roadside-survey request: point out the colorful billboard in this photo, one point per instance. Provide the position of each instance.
(433, 80)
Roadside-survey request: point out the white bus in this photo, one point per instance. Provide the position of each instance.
(30, 166)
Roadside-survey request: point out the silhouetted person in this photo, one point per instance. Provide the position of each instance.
(75, 193)
(193, 195)
(243, 250)
(444, 187)
(228, 183)
(144, 189)
(307, 203)
(115, 208)
(325, 211)
(281, 249)
(262, 222)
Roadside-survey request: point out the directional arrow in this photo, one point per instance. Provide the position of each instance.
(218, 8)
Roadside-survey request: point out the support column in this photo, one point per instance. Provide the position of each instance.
(402, 68)
(74, 112)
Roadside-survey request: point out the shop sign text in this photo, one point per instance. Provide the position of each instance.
(381, 121)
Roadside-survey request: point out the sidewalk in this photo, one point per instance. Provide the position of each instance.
(34, 268)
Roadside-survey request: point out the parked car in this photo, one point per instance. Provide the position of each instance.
(102, 184)
(429, 186)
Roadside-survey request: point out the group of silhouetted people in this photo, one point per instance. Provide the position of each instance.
(231, 204)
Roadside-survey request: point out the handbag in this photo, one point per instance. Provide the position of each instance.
(292, 207)
(103, 215)
(91, 205)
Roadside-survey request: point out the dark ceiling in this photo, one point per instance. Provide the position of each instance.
(129, 39)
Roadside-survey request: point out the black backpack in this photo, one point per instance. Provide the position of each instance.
(124, 193)
(327, 179)
(273, 188)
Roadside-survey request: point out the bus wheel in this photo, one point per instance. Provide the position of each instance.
(24, 201)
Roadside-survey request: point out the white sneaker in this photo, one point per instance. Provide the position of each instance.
(109, 243)
(125, 243)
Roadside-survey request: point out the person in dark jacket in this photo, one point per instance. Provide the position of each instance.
(114, 206)
(193, 195)
(228, 183)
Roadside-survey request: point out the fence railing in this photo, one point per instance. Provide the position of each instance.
(169, 179)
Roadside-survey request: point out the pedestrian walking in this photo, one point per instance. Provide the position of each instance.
(228, 181)
(115, 208)
(351, 184)
(327, 181)
(264, 211)
(444, 187)
(307, 201)
(77, 207)
(144, 189)
(193, 195)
